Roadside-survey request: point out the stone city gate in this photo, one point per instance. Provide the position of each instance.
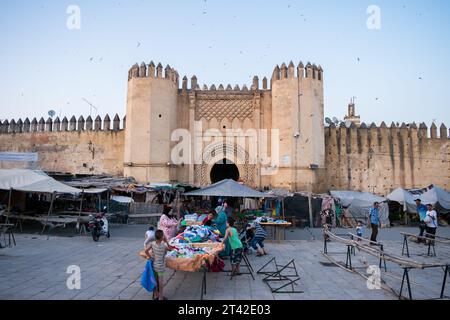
(234, 154)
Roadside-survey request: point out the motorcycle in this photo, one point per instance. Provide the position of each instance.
(99, 226)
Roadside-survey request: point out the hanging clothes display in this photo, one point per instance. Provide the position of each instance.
(329, 211)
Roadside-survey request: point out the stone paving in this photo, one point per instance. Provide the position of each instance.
(111, 270)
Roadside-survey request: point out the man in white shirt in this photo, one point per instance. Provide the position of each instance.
(431, 221)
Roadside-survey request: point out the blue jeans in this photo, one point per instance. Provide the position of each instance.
(257, 241)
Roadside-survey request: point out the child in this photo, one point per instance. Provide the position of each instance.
(258, 239)
(149, 236)
(232, 236)
(359, 230)
(157, 251)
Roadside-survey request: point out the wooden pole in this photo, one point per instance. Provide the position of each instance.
(108, 193)
(81, 204)
(311, 222)
(9, 205)
(50, 210)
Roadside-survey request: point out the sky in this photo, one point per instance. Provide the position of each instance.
(399, 72)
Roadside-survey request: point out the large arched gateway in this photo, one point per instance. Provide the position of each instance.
(224, 169)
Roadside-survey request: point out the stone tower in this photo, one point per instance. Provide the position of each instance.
(151, 117)
(351, 115)
(298, 112)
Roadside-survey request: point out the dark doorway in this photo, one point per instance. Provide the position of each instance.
(224, 169)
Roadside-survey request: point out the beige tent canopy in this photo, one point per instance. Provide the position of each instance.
(35, 181)
(32, 181)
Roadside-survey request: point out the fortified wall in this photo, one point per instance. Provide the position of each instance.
(312, 156)
(68, 146)
(291, 104)
(380, 159)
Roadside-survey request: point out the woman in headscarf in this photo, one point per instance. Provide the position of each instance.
(168, 223)
(220, 221)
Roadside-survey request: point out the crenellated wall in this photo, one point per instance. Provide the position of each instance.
(69, 146)
(312, 157)
(380, 159)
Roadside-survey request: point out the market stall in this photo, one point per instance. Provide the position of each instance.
(195, 250)
(232, 189)
(31, 181)
(360, 203)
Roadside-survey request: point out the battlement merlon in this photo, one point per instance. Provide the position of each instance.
(151, 71)
(310, 72)
(403, 130)
(64, 125)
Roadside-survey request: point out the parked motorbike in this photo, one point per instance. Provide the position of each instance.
(99, 226)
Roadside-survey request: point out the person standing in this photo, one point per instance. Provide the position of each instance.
(422, 211)
(157, 251)
(168, 223)
(374, 220)
(237, 248)
(220, 221)
(431, 222)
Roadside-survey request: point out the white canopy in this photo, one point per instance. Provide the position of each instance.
(121, 199)
(360, 203)
(228, 188)
(430, 195)
(32, 181)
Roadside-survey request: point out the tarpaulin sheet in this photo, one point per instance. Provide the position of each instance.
(360, 203)
(228, 188)
(32, 181)
(431, 195)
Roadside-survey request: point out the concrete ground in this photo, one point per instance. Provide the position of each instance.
(111, 269)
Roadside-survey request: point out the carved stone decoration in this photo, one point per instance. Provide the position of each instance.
(225, 106)
(214, 153)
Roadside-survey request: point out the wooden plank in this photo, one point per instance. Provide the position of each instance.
(436, 239)
(376, 252)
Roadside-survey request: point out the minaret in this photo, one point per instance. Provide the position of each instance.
(351, 116)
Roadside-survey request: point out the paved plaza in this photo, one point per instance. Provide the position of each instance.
(111, 269)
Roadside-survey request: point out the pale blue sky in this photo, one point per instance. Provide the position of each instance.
(46, 66)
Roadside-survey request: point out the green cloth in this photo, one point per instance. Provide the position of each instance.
(221, 222)
(338, 211)
(233, 238)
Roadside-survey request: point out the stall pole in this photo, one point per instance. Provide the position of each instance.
(99, 202)
(81, 204)
(50, 210)
(9, 205)
(107, 200)
(282, 208)
(311, 222)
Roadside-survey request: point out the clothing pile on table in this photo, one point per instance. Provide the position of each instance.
(193, 219)
(197, 234)
(189, 252)
(193, 247)
(270, 220)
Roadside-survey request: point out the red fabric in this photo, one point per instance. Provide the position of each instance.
(218, 265)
